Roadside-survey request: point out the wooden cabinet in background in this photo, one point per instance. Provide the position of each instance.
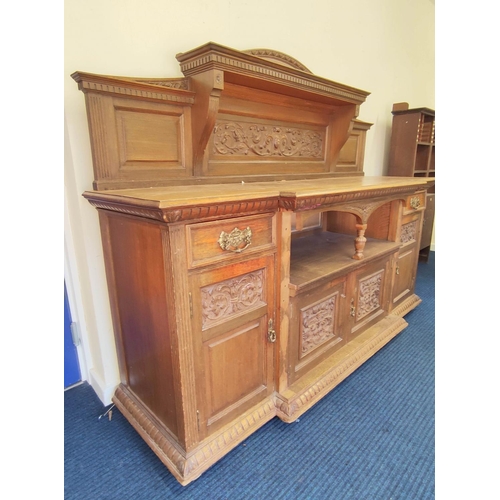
(413, 154)
(251, 265)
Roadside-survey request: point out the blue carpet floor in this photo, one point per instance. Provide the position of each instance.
(371, 438)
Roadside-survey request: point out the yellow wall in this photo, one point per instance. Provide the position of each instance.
(385, 47)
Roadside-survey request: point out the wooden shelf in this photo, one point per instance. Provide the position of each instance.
(326, 255)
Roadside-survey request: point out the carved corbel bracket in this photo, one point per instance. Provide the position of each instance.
(208, 86)
(361, 210)
(340, 128)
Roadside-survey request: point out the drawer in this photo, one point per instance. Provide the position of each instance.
(415, 202)
(211, 242)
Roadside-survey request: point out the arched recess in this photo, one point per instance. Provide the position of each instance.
(377, 219)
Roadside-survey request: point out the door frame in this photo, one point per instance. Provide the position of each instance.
(74, 298)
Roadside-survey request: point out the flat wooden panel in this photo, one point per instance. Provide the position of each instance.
(404, 274)
(203, 239)
(147, 139)
(349, 152)
(235, 366)
(304, 221)
(136, 254)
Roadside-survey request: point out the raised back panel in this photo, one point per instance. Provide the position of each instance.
(237, 115)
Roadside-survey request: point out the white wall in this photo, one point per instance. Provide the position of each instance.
(385, 47)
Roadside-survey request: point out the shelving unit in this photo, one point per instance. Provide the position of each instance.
(412, 154)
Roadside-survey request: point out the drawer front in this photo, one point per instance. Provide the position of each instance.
(212, 242)
(415, 202)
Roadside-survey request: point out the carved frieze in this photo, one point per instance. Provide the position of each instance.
(173, 83)
(228, 298)
(369, 295)
(122, 89)
(317, 324)
(278, 56)
(312, 203)
(409, 232)
(254, 139)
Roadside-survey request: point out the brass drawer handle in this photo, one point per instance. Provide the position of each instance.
(234, 240)
(353, 309)
(415, 202)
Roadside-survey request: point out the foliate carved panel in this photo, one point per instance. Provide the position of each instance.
(317, 324)
(369, 296)
(257, 139)
(409, 232)
(221, 301)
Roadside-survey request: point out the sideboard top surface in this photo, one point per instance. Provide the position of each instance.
(178, 196)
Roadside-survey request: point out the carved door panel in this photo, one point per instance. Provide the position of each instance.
(316, 326)
(406, 262)
(232, 310)
(368, 295)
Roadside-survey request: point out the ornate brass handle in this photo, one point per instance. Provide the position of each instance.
(353, 309)
(397, 269)
(415, 202)
(234, 240)
(271, 333)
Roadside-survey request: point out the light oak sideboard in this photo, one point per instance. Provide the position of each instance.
(251, 265)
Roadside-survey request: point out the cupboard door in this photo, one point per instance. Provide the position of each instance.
(405, 268)
(232, 310)
(428, 222)
(368, 295)
(316, 326)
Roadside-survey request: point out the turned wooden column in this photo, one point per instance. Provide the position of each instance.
(359, 242)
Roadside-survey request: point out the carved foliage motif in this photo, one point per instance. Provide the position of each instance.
(230, 297)
(173, 84)
(317, 324)
(232, 138)
(409, 232)
(370, 290)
